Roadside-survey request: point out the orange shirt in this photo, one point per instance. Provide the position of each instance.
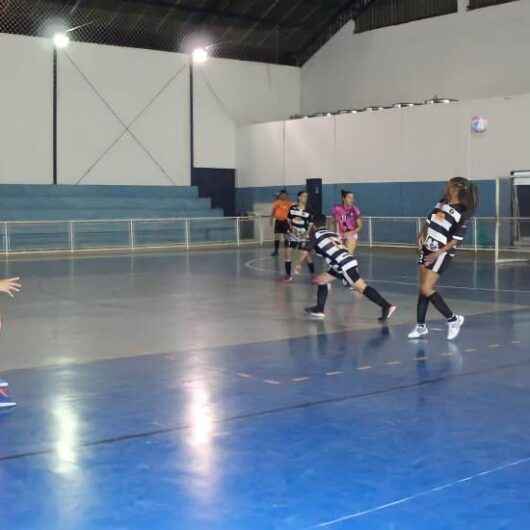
(280, 210)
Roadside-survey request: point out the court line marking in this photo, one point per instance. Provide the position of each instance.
(245, 376)
(250, 265)
(494, 345)
(271, 382)
(267, 412)
(424, 493)
(392, 363)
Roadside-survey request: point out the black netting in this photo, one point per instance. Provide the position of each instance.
(260, 30)
(475, 4)
(384, 13)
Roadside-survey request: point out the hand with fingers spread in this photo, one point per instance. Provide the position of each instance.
(10, 286)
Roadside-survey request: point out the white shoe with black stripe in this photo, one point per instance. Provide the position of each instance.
(454, 327)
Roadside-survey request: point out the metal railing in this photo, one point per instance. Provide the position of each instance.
(485, 233)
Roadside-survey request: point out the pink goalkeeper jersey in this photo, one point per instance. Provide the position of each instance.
(346, 217)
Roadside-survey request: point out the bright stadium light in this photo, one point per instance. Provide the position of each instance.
(61, 40)
(200, 55)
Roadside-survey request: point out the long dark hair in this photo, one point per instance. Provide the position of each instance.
(468, 194)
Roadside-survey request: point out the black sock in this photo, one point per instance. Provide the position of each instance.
(276, 245)
(322, 295)
(421, 310)
(311, 267)
(438, 302)
(288, 268)
(375, 297)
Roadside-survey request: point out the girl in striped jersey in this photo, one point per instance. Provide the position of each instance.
(342, 265)
(300, 221)
(444, 229)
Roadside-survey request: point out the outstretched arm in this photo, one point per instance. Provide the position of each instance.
(10, 286)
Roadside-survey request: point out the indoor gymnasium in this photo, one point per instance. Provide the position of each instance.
(265, 264)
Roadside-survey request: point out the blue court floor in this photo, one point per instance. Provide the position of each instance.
(189, 392)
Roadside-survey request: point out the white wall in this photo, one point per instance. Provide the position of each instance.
(471, 54)
(431, 142)
(103, 88)
(26, 110)
(229, 94)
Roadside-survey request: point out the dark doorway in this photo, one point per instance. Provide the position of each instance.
(219, 185)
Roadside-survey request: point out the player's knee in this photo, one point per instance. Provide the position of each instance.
(426, 290)
(320, 280)
(360, 285)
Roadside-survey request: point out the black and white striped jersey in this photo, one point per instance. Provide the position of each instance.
(299, 221)
(329, 245)
(445, 223)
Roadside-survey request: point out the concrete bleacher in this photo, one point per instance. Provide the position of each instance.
(98, 203)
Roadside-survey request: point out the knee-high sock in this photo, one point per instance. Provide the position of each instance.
(438, 302)
(288, 268)
(421, 310)
(322, 295)
(276, 245)
(311, 267)
(375, 297)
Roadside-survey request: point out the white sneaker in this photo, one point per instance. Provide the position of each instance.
(454, 327)
(419, 331)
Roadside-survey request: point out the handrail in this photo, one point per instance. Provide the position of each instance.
(230, 218)
(486, 233)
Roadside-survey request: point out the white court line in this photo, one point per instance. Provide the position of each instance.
(364, 367)
(271, 382)
(422, 493)
(494, 346)
(334, 373)
(299, 379)
(250, 265)
(391, 363)
(469, 350)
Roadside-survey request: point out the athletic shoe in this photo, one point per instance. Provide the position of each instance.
(387, 313)
(298, 269)
(419, 331)
(5, 398)
(314, 312)
(453, 329)
(288, 279)
(274, 254)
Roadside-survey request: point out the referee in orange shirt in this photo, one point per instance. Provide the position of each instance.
(279, 213)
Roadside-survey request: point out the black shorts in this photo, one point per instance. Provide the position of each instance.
(298, 245)
(439, 265)
(281, 227)
(349, 277)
